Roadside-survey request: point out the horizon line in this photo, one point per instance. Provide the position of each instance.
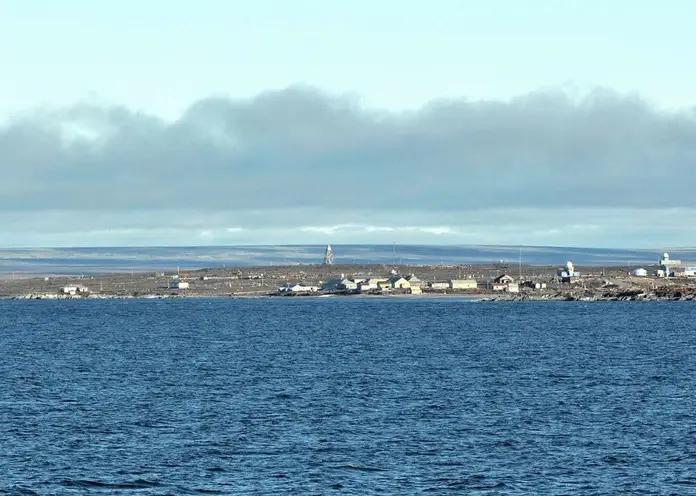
(270, 245)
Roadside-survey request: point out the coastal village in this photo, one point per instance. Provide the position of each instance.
(668, 278)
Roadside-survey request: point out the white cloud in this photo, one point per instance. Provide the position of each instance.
(300, 165)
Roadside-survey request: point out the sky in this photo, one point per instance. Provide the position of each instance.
(444, 122)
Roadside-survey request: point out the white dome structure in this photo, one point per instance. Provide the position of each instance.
(640, 273)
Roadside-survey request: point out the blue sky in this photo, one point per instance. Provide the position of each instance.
(117, 114)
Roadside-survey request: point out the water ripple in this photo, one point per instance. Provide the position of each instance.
(351, 396)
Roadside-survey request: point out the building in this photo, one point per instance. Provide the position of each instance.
(534, 285)
(513, 287)
(498, 286)
(179, 285)
(398, 282)
(669, 266)
(297, 287)
(413, 280)
(380, 282)
(416, 290)
(685, 272)
(640, 273)
(367, 285)
(463, 284)
(441, 285)
(504, 279)
(74, 290)
(339, 284)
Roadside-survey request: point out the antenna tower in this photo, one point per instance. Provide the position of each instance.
(328, 256)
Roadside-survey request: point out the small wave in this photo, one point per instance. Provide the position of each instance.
(136, 484)
(362, 469)
(18, 491)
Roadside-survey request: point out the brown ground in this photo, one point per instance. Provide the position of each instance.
(246, 281)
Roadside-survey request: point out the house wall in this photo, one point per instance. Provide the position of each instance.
(463, 284)
(400, 284)
(348, 284)
(439, 285)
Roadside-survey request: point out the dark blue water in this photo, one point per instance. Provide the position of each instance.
(72, 261)
(323, 396)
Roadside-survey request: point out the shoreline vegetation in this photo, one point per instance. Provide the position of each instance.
(485, 283)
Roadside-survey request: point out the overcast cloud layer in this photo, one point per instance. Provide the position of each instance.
(302, 166)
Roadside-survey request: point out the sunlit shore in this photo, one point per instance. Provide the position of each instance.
(493, 282)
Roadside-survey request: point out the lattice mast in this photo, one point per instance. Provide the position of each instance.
(328, 256)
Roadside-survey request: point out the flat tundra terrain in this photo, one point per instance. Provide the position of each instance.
(593, 283)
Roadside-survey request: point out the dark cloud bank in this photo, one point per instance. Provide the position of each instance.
(302, 148)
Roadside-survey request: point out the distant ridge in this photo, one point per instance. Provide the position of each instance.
(126, 259)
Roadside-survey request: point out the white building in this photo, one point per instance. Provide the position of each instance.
(463, 284)
(414, 280)
(74, 289)
(640, 273)
(396, 282)
(439, 285)
(179, 285)
(297, 288)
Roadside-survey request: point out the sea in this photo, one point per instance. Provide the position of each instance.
(357, 396)
(76, 261)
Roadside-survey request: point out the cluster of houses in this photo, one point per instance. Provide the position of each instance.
(667, 267)
(409, 283)
(404, 284)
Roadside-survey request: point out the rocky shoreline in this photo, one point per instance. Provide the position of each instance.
(664, 294)
(628, 295)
